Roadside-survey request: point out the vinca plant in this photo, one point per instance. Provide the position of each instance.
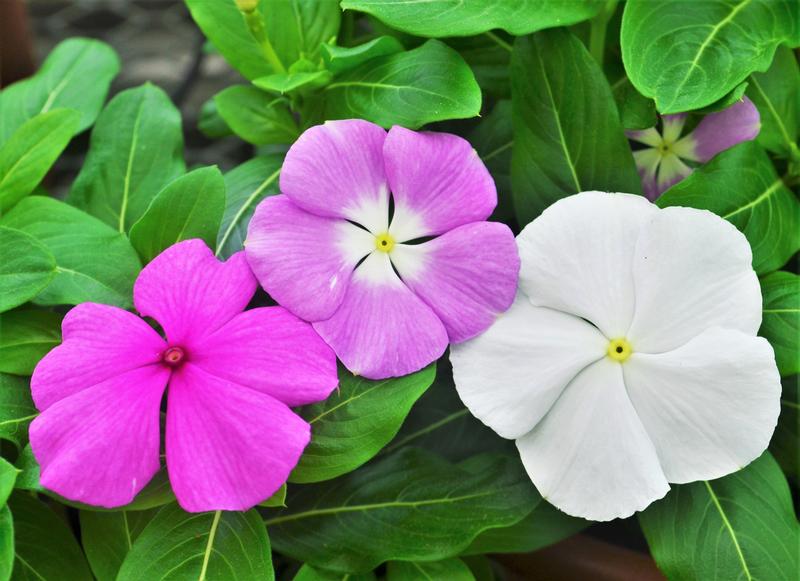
(498, 273)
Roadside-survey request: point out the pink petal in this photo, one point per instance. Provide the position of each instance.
(271, 350)
(100, 446)
(381, 328)
(720, 131)
(467, 276)
(670, 172)
(438, 182)
(190, 293)
(99, 342)
(336, 170)
(228, 447)
(302, 260)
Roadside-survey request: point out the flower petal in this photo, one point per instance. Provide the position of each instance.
(510, 376)
(720, 131)
(336, 170)
(576, 257)
(438, 182)
(672, 126)
(99, 342)
(670, 172)
(191, 293)
(467, 276)
(228, 447)
(100, 446)
(382, 329)
(647, 162)
(649, 136)
(692, 270)
(710, 406)
(302, 260)
(271, 350)
(590, 456)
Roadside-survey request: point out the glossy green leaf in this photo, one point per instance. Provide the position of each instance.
(493, 139)
(741, 185)
(255, 116)
(108, 537)
(75, 75)
(688, 55)
(8, 474)
(136, 149)
(450, 569)
(298, 28)
(6, 543)
(188, 207)
(246, 186)
(340, 58)
(94, 262)
(355, 422)
(45, 548)
(785, 444)
(16, 409)
(776, 94)
(277, 499)
(26, 335)
(291, 82)
(26, 267)
(413, 505)
(741, 526)
(731, 98)
(635, 110)
(215, 546)
(781, 320)
(545, 526)
(489, 61)
(438, 18)
(427, 84)
(30, 152)
(211, 123)
(309, 573)
(567, 133)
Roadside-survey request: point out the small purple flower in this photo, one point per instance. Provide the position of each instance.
(661, 165)
(380, 291)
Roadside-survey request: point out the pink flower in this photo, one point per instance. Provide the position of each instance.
(332, 251)
(231, 439)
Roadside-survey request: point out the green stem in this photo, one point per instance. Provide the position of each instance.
(500, 42)
(597, 31)
(255, 22)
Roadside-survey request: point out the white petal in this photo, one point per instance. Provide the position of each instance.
(510, 375)
(577, 256)
(591, 456)
(692, 271)
(710, 406)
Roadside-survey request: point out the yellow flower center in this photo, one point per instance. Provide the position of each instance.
(619, 349)
(384, 242)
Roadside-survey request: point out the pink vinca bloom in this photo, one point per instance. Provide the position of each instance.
(662, 163)
(231, 439)
(388, 293)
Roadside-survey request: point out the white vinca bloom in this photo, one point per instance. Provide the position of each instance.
(629, 358)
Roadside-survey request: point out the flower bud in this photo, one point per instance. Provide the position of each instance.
(247, 5)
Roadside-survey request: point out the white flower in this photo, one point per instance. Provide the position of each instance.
(629, 358)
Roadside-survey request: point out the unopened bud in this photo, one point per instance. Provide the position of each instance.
(247, 5)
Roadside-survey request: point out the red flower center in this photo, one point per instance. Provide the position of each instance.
(173, 356)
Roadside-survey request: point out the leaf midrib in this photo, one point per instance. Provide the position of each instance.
(247, 203)
(126, 184)
(727, 524)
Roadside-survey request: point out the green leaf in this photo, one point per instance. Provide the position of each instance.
(211, 545)
(741, 185)
(211, 123)
(776, 94)
(738, 527)
(75, 75)
(688, 55)
(290, 82)
(255, 116)
(785, 444)
(373, 515)
(6, 543)
(339, 58)
(355, 422)
(731, 98)
(136, 149)
(427, 84)
(246, 186)
(635, 110)
(438, 18)
(94, 262)
(26, 335)
(309, 573)
(298, 28)
(277, 499)
(45, 548)
(544, 526)
(108, 537)
(450, 569)
(489, 61)
(30, 152)
(781, 321)
(8, 474)
(26, 267)
(16, 409)
(567, 133)
(188, 207)
(493, 139)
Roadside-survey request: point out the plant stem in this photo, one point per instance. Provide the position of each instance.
(597, 31)
(500, 42)
(255, 22)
